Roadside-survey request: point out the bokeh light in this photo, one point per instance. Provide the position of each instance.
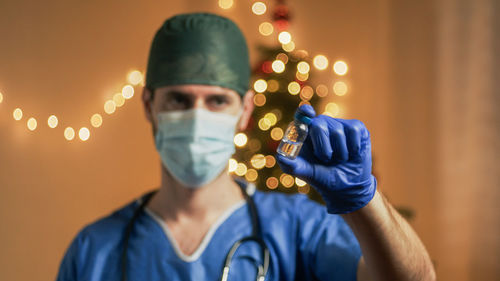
(303, 67)
(266, 28)
(320, 62)
(240, 139)
(304, 189)
(272, 183)
(52, 121)
(251, 175)
(302, 76)
(69, 133)
(277, 133)
(135, 77)
(109, 107)
(270, 161)
(254, 144)
(31, 124)
(17, 114)
(340, 67)
(258, 161)
(340, 88)
(322, 90)
(231, 166)
(289, 47)
(300, 182)
(119, 99)
(287, 180)
(96, 120)
(332, 109)
(282, 57)
(278, 66)
(293, 88)
(273, 85)
(84, 133)
(260, 85)
(241, 169)
(271, 117)
(306, 93)
(259, 8)
(1, 98)
(259, 99)
(285, 37)
(264, 124)
(226, 4)
(128, 91)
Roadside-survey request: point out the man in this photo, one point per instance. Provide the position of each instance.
(196, 97)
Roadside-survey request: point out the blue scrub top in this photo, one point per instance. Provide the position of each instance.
(305, 243)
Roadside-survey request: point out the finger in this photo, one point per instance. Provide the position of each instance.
(320, 138)
(298, 167)
(337, 138)
(353, 130)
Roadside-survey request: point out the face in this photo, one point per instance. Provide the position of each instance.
(185, 97)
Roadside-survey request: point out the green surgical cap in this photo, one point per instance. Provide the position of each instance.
(199, 48)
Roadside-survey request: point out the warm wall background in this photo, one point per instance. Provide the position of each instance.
(424, 78)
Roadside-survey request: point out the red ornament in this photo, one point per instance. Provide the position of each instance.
(267, 67)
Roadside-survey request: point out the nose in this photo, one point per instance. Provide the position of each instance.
(199, 103)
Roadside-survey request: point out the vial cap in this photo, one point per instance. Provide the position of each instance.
(302, 118)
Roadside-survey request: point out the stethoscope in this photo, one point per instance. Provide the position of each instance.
(256, 237)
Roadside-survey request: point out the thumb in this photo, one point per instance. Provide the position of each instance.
(298, 167)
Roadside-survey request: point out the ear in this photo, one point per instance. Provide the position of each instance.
(248, 107)
(148, 104)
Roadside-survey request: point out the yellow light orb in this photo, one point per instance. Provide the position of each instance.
(109, 107)
(322, 90)
(331, 109)
(306, 93)
(52, 121)
(96, 120)
(240, 139)
(251, 175)
(259, 99)
(259, 8)
(303, 67)
(282, 57)
(293, 88)
(271, 117)
(300, 182)
(304, 189)
(260, 86)
(84, 133)
(266, 28)
(270, 161)
(231, 167)
(320, 62)
(340, 88)
(226, 4)
(258, 161)
(264, 124)
(285, 37)
(69, 133)
(17, 114)
(118, 99)
(31, 124)
(127, 91)
(287, 180)
(1, 98)
(289, 47)
(302, 76)
(241, 169)
(340, 67)
(135, 77)
(273, 85)
(278, 66)
(277, 134)
(272, 183)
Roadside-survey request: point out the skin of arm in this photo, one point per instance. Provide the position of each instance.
(391, 249)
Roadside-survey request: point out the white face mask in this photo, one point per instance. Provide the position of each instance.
(195, 145)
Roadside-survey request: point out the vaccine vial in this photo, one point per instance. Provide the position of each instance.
(294, 136)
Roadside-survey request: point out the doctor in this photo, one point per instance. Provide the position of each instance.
(202, 224)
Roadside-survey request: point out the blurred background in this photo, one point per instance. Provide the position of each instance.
(422, 75)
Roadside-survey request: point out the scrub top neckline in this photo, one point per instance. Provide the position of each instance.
(206, 239)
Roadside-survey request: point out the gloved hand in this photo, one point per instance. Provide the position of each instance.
(336, 160)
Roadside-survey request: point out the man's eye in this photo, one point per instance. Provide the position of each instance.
(218, 101)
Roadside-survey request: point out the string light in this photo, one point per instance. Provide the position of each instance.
(287, 180)
(271, 117)
(273, 86)
(289, 47)
(240, 139)
(300, 182)
(241, 169)
(266, 28)
(277, 134)
(272, 183)
(258, 161)
(232, 165)
(340, 67)
(52, 121)
(264, 124)
(331, 109)
(304, 189)
(254, 144)
(321, 90)
(128, 91)
(340, 88)
(226, 4)
(302, 76)
(1, 97)
(259, 8)
(119, 99)
(84, 133)
(69, 133)
(259, 99)
(306, 93)
(293, 88)
(135, 77)
(282, 57)
(270, 161)
(31, 124)
(109, 107)
(251, 175)
(17, 114)
(303, 67)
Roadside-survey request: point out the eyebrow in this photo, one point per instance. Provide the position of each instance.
(177, 92)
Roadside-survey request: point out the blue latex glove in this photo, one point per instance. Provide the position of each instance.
(336, 160)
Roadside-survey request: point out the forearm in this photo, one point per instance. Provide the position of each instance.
(391, 249)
